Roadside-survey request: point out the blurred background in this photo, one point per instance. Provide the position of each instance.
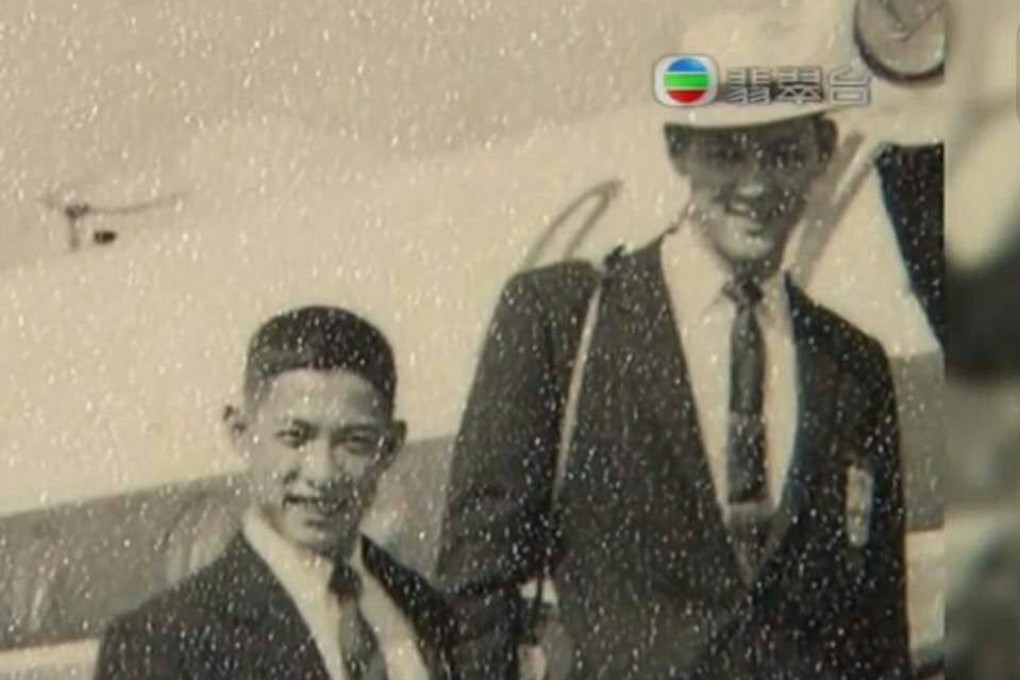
(982, 478)
(174, 171)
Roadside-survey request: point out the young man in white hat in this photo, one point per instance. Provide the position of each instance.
(732, 506)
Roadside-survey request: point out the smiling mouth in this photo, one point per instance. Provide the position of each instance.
(742, 208)
(326, 507)
(757, 213)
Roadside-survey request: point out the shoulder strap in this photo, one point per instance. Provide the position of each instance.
(569, 420)
(568, 423)
(541, 591)
(410, 592)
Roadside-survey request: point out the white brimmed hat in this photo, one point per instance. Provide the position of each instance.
(813, 34)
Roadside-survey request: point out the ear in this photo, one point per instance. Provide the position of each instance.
(236, 426)
(398, 438)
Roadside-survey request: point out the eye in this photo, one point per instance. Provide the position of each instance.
(361, 441)
(787, 156)
(292, 437)
(724, 154)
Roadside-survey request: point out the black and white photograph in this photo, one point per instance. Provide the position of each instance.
(432, 341)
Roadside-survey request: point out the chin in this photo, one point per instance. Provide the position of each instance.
(754, 245)
(317, 536)
(751, 253)
(328, 544)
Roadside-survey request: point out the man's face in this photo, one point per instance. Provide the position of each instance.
(749, 185)
(316, 443)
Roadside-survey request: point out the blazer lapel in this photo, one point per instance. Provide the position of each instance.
(815, 449)
(275, 638)
(818, 381)
(652, 322)
(661, 382)
(426, 610)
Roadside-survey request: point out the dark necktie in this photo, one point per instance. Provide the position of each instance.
(745, 446)
(362, 655)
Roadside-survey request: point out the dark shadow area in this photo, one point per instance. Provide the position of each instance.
(912, 189)
(982, 315)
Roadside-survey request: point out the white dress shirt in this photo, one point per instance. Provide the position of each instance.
(305, 576)
(696, 277)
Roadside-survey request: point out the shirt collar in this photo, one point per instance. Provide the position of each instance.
(697, 277)
(301, 571)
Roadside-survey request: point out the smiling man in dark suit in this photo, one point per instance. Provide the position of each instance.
(299, 593)
(732, 506)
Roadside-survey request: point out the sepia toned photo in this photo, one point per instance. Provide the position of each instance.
(351, 342)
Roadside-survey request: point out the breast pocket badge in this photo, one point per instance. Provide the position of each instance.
(860, 499)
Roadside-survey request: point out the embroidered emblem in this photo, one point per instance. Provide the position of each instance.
(860, 495)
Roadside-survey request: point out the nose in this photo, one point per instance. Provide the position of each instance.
(318, 465)
(752, 182)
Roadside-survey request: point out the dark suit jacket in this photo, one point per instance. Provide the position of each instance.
(647, 576)
(234, 620)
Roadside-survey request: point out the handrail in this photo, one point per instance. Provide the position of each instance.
(604, 192)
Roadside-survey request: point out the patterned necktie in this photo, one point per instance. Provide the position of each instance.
(362, 655)
(745, 447)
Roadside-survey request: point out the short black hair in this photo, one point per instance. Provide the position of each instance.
(320, 338)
